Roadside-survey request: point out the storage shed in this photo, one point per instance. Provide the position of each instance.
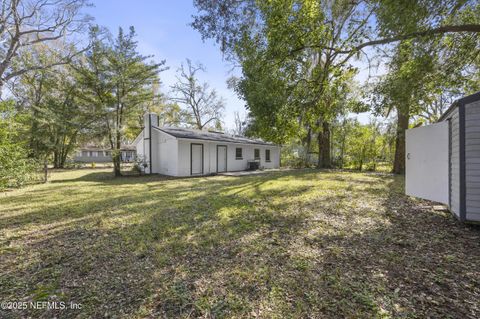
(177, 151)
(443, 159)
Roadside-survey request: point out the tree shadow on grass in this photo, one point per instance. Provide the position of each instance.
(420, 263)
(112, 268)
(283, 245)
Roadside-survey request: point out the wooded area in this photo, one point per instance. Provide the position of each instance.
(299, 63)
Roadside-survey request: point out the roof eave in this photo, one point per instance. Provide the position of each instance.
(464, 100)
(212, 140)
(222, 141)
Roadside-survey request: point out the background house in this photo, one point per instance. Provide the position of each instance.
(95, 154)
(186, 152)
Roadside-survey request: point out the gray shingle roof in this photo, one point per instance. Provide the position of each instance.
(209, 136)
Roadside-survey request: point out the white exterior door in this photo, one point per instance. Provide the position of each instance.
(427, 162)
(221, 158)
(196, 159)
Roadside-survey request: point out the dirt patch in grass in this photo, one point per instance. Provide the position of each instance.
(306, 243)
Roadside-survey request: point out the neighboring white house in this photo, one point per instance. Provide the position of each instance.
(97, 154)
(187, 152)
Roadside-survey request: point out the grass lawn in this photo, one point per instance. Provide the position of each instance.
(307, 243)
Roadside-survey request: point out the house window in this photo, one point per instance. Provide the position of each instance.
(267, 155)
(85, 153)
(238, 153)
(107, 153)
(256, 153)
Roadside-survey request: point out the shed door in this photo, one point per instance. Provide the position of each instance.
(221, 158)
(196, 160)
(427, 162)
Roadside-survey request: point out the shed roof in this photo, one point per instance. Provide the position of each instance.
(464, 100)
(209, 136)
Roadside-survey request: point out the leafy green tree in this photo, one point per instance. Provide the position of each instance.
(294, 73)
(438, 56)
(361, 146)
(58, 116)
(312, 42)
(421, 77)
(16, 168)
(118, 81)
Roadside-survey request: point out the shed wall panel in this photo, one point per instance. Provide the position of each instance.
(455, 163)
(472, 159)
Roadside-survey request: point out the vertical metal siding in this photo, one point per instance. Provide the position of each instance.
(455, 164)
(472, 160)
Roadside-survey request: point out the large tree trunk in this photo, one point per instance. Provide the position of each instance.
(308, 143)
(362, 159)
(66, 150)
(342, 150)
(324, 160)
(117, 157)
(116, 164)
(45, 170)
(56, 159)
(33, 143)
(402, 125)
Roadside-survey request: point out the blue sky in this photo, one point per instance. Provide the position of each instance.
(163, 31)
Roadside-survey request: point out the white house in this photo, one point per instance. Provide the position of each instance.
(97, 154)
(187, 152)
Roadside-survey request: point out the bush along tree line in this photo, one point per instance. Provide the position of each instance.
(353, 145)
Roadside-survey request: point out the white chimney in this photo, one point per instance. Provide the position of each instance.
(149, 120)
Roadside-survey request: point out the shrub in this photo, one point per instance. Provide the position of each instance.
(15, 168)
(139, 164)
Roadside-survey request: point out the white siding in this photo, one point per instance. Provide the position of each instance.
(183, 159)
(171, 156)
(210, 156)
(139, 145)
(166, 153)
(472, 160)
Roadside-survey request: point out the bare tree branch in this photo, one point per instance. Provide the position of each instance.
(27, 23)
(203, 103)
(475, 28)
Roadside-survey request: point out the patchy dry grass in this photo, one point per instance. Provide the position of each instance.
(318, 244)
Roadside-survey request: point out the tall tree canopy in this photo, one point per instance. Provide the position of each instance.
(117, 80)
(56, 114)
(294, 80)
(296, 56)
